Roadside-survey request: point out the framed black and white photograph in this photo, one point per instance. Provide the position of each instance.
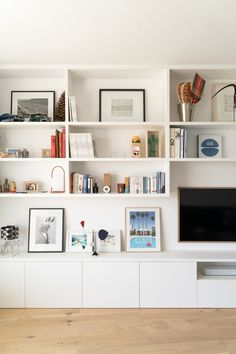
(122, 105)
(26, 103)
(46, 230)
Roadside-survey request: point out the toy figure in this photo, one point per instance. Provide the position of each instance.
(136, 147)
(152, 141)
(6, 186)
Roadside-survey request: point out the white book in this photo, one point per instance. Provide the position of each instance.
(73, 109)
(177, 142)
(172, 142)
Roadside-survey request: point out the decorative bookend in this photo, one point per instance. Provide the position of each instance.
(60, 109)
(57, 180)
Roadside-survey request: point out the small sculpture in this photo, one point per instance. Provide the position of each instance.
(10, 118)
(152, 141)
(136, 147)
(0, 187)
(6, 186)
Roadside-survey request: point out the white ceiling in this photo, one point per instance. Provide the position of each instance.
(142, 32)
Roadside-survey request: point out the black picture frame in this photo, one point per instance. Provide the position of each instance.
(143, 109)
(51, 113)
(35, 226)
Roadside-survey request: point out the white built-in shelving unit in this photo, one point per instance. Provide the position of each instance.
(169, 279)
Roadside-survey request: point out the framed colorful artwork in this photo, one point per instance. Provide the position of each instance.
(143, 230)
(112, 242)
(79, 241)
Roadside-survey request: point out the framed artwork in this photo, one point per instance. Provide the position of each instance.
(46, 230)
(209, 146)
(26, 103)
(31, 186)
(122, 105)
(79, 241)
(143, 230)
(223, 103)
(112, 242)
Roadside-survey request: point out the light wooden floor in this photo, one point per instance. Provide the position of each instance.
(66, 331)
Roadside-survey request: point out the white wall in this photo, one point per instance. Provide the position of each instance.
(117, 32)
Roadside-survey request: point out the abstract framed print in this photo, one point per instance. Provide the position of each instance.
(79, 241)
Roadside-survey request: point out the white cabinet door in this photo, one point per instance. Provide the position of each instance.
(11, 284)
(167, 284)
(53, 284)
(110, 284)
(216, 292)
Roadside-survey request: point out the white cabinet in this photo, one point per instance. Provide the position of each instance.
(11, 284)
(216, 292)
(111, 284)
(167, 284)
(53, 284)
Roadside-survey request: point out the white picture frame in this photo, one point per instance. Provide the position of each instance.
(46, 230)
(143, 232)
(112, 243)
(79, 241)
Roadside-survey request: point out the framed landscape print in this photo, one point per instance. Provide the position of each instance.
(46, 230)
(26, 103)
(143, 229)
(122, 105)
(112, 242)
(80, 241)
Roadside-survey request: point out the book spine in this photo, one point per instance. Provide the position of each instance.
(163, 182)
(185, 143)
(172, 142)
(53, 146)
(71, 182)
(57, 142)
(63, 142)
(145, 184)
(177, 143)
(60, 139)
(91, 184)
(127, 184)
(181, 143)
(80, 183)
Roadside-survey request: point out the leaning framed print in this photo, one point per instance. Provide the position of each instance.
(26, 103)
(143, 229)
(122, 105)
(79, 241)
(46, 230)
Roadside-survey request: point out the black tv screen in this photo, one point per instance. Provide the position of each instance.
(207, 214)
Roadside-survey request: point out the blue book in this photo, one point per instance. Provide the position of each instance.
(145, 184)
(85, 184)
(158, 182)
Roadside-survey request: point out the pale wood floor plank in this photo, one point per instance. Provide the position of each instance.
(108, 331)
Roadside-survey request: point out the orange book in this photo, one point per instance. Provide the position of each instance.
(64, 142)
(60, 138)
(53, 146)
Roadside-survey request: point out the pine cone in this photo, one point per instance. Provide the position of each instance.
(60, 109)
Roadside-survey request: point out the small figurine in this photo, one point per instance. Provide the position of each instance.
(136, 147)
(0, 187)
(13, 187)
(152, 141)
(6, 186)
(95, 188)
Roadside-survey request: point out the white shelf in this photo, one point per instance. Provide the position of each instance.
(203, 124)
(117, 124)
(33, 159)
(118, 159)
(31, 125)
(82, 195)
(196, 159)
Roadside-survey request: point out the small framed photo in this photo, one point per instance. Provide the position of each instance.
(143, 230)
(26, 103)
(112, 242)
(46, 230)
(31, 186)
(122, 105)
(79, 241)
(223, 103)
(209, 146)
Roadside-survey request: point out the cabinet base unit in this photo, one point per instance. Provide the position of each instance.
(12, 284)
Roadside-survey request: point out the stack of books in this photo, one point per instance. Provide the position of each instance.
(152, 184)
(178, 143)
(81, 145)
(80, 183)
(58, 144)
(72, 109)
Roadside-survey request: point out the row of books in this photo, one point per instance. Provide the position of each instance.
(178, 143)
(58, 144)
(73, 117)
(152, 184)
(80, 183)
(81, 145)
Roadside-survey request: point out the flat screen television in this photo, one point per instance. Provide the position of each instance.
(207, 214)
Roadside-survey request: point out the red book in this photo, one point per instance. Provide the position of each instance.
(53, 146)
(63, 142)
(57, 142)
(60, 138)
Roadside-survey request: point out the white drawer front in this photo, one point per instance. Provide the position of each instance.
(11, 284)
(216, 293)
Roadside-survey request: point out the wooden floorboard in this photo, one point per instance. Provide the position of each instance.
(107, 331)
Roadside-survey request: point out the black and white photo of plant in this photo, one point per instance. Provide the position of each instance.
(45, 230)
